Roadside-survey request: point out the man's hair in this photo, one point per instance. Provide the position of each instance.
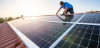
(61, 2)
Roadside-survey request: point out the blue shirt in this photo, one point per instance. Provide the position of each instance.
(66, 4)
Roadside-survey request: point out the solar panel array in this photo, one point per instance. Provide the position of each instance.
(44, 33)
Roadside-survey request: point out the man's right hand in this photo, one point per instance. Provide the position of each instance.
(62, 14)
(56, 13)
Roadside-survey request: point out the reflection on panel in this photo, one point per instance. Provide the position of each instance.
(69, 18)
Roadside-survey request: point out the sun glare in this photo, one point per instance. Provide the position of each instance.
(30, 8)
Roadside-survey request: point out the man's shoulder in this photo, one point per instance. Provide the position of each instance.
(66, 2)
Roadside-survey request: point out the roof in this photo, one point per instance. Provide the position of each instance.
(8, 38)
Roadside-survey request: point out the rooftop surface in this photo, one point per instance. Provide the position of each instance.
(8, 38)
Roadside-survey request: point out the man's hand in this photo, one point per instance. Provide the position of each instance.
(56, 13)
(62, 14)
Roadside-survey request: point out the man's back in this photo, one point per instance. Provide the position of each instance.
(68, 5)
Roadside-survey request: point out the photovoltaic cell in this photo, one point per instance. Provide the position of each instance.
(81, 36)
(43, 34)
(69, 18)
(91, 18)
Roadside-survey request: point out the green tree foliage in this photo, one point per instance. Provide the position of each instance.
(2, 20)
(5, 19)
(9, 19)
(18, 17)
(94, 11)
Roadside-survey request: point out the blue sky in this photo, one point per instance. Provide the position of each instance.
(43, 7)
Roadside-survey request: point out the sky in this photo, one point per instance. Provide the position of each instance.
(16, 8)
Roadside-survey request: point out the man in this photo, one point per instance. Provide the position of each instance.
(68, 8)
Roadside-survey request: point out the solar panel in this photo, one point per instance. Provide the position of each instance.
(81, 36)
(42, 33)
(56, 18)
(91, 18)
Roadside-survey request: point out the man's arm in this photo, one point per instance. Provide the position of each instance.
(65, 10)
(58, 11)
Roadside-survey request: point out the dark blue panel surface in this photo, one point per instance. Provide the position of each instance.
(44, 34)
(81, 36)
(91, 18)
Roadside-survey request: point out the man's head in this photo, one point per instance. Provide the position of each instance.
(61, 3)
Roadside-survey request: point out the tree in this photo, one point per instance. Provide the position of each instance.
(2, 20)
(18, 17)
(10, 18)
(5, 19)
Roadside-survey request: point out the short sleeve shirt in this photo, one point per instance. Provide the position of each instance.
(66, 4)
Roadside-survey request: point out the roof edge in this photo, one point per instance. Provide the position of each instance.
(26, 40)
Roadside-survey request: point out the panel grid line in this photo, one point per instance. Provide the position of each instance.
(91, 35)
(98, 39)
(76, 36)
(99, 33)
(61, 37)
(83, 36)
(68, 38)
(96, 19)
(47, 38)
